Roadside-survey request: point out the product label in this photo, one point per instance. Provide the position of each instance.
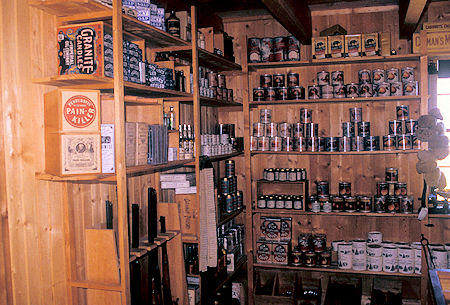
(80, 111)
(81, 154)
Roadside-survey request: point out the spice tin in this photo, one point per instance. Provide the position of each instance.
(265, 116)
(279, 48)
(392, 75)
(276, 144)
(389, 142)
(365, 76)
(263, 143)
(279, 80)
(271, 129)
(326, 91)
(259, 130)
(332, 144)
(402, 112)
(305, 115)
(313, 92)
(253, 143)
(345, 189)
(378, 76)
(372, 143)
(282, 93)
(348, 129)
(323, 78)
(410, 88)
(404, 142)
(270, 94)
(355, 114)
(395, 127)
(396, 89)
(400, 189)
(357, 143)
(265, 80)
(365, 204)
(406, 204)
(319, 47)
(407, 74)
(410, 126)
(293, 47)
(288, 144)
(363, 129)
(337, 78)
(312, 144)
(382, 89)
(300, 144)
(337, 203)
(391, 175)
(285, 130)
(258, 94)
(345, 144)
(338, 91)
(350, 204)
(379, 204)
(352, 90)
(296, 93)
(365, 90)
(229, 168)
(311, 129)
(292, 79)
(370, 44)
(322, 188)
(392, 204)
(254, 45)
(299, 130)
(266, 49)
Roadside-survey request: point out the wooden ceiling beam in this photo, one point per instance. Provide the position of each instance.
(294, 15)
(410, 12)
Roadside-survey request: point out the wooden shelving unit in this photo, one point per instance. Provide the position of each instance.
(331, 214)
(362, 153)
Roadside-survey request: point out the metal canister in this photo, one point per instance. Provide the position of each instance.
(263, 143)
(326, 91)
(293, 49)
(296, 93)
(288, 144)
(378, 76)
(304, 242)
(365, 204)
(350, 204)
(337, 78)
(266, 49)
(322, 188)
(392, 75)
(391, 175)
(363, 129)
(348, 129)
(311, 129)
(258, 94)
(309, 202)
(392, 204)
(265, 80)
(396, 88)
(345, 188)
(355, 114)
(253, 143)
(323, 78)
(297, 202)
(337, 203)
(404, 142)
(285, 130)
(345, 144)
(279, 80)
(358, 143)
(415, 142)
(292, 79)
(254, 52)
(265, 116)
(270, 202)
(270, 94)
(339, 91)
(365, 76)
(305, 115)
(225, 185)
(319, 242)
(379, 204)
(296, 257)
(313, 92)
(271, 129)
(382, 189)
(395, 127)
(299, 130)
(332, 144)
(309, 259)
(410, 88)
(352, 90)
(279, 48)
(276, 144)
(389, 142)
(279, 202)
(259, 130)
(282, 174)
(365, 90)
(402, 112)
(382, 89)
(400, 189)
(222, 83)
(410, 126)
(229, 168)
(372, 143)
(312, 144)
(407, 74)
(282, 93)
(229, 203)
(407, 204)
(300, 144)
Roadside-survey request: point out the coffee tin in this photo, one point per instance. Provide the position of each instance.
(392, 75)
(265, 80)
(266, 49)
(400, 189)
(322, 188)
(326, 91)
(300, 144)
(378, 76)
(350, 204)
(299, 130)
(259, 130)
(305, 115)
(372, 143)
(352, 90)
(389, 142)
(271, 129)
(396, 88)
(392, 204)
(265, 116)
(410, 126)
(365, 90)
(407, 204)
(292, 79)
(254, 52)
(258, 94)
(348, 129)
(357, 143)
(313, 92)
(337, 78)
(355, 114)
(312, 144)
(395, 127)
(410, 88)
(282, 93)
(382, 89)
(364, 76)
(311, 130)
(404, 142)
(345, 188)
(276, 144)
(263, 143)
(296, 93)
(338, 91)
(402, 112)
(337, 203)
(345, 144)
(363, 129)
(332, 144)
(293, 47)
(323, 78)
(279, 80)
(270, 94)
(391, 175)
(284, 130)
(279, 48)
(365, 204)
(407, 74)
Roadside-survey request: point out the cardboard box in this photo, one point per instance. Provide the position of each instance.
(141, 143)
(319, 47)
(286, 229)
(353, 47)
(269, 228)
(130, 143)
(108, 157)
(280, 252)
(336, 46)
(263, 252)
(370, 45)
(385, 43)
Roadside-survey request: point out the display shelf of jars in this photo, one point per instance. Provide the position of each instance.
(344, 214)
(378, 152)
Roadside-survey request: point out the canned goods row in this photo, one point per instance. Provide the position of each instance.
(284, 130)
(281, 93)
(385, 188)
(222, 94)
(215, 139)
(312, 242)
(310, 258)
(279, 80)
(228, 185)
(400, 127)
(214, 79)
(280, 202)
(228, 129)
(322, 188)
(216, 150)
(232, 236)
(285, 174)
(273, 49)
(230, 203)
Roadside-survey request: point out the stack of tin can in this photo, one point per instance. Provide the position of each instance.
(273, 49)
(328, 86)
(273, 87)
(273, 239)
(229, 198)
(231, 237)
(213, 85)
(402, 131)
(311, 251)
(218, 142)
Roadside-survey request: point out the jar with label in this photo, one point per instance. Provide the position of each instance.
(270, 176)
(315, 207)
(270, 202)
(297, 202)
(350, 204)
(288, 202)
(292, 175)
(279, 202)
(282, 176)
(337, 204)
(261, 202)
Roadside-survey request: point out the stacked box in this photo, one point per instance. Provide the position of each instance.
(143, 10)
(107, 132)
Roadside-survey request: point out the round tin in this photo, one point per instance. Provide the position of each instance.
(296, 93)
(258, 94)
(337, 203)
(389, 142)
(378, 76)
(392, 75)
(322, 188)
(300, 144)
(279, 48)
(253, 46)
(345, 256)
(213, 79)
(332, 144)
(355, 114)
(337, 78)
(392, 204)
(305, 115)
(402, 112)
(396, 88)
(279, 80)
(372, 143)
(309, 201)
(313, 92)
(266, 49)
(304, 242)
(259, 130)
(374, 237)
(282, 93)
(284, 130)
(271, 129)
(365, 90)
(293, 46)
(345, 144)
(407, 74)
(323, 78)
(410, 126)
(321, 143)
(292, 79)
(364, 76)
(391, 176)
(312, 144)
(363, 129)
(276, 144)
(324, 259)
(326, 91)
(288, 144)
(350, 204)
(225, 185)
(319, 242)
(382, 89)
(404, 142)
(296, 257)
(406, 204)
(311, 129)
(400, 189)
(339, 91)
(365, 204)
(299, 130)
(382, 189)
(357, 143)
(310, 259)
(265, 116)
(265, 80)
(345, 188)
(395, 127)
(410, 88)
(379, 204)
(348, 129)
(253, 143)
(352, 90)
(270, 94)
(263, 143)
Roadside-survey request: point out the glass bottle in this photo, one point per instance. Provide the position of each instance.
(171, 119)
(173, 24)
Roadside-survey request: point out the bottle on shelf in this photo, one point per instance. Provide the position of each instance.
(171, 119)
(173, 24)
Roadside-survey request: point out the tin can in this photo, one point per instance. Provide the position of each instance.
(309, 259)
(345, 144)
(319, 242)
(279, 48)
(332, 144)
(410, 126)
(313, 92)
(271, 129)
(293, 47)
(276, 144)
(365, 90)
(407, 74)
(391, 175)
(322, 188)
(363, 129)
(266, 49)
(415, 142)
(406, 204)
(338, 91)
(263, 143)
(309, 202)
(284, 130)
(392, 75)
(337, 78)
(382, 89)
(254, 50)
(270, 94)
(253, 143)
(392, 204)
(279, 202)
(402, 112)
(265, 116)
(305, 115)
(229, 203)
(396, 88)
(378, 76)
(382, 189)
(400, 189)
(229, 168)
(348, 129)
(352, 90)
(296, 257)
(379, 204)
(265, 80)
(292, 79)
(323, 78)
(259, 130)
(345, 189)
(258, 94)
(225, 187)
(357, 143)
(365, 204)
(270, 202)
(311, 129)
(222, 81)
(224, 93)
(288, 144)
(296, 93)
(321, 143)
(404, 142)
(355, 114)
(410, 88)
(300, 144)
(389, 142)
(364, 76)
(312, 144)
(299, 130)
(395, 127)
(337, 203)
(304, 242)
(298, 202)
(279, 80)
(282, 93)
(372, 143)
(326, 91)
(350, 204)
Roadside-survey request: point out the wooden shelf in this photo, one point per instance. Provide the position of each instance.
(262, 181)
(333, 269)
(229, 217)
(237, 267)
(378, 152)
(77, 178)
(442, 216)
(148, 168)
(339, 100)
(224, 157)
(206, 101)
(343, 214)
(97, 286)
(145, 247)
(66, 8)
(333, 61)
